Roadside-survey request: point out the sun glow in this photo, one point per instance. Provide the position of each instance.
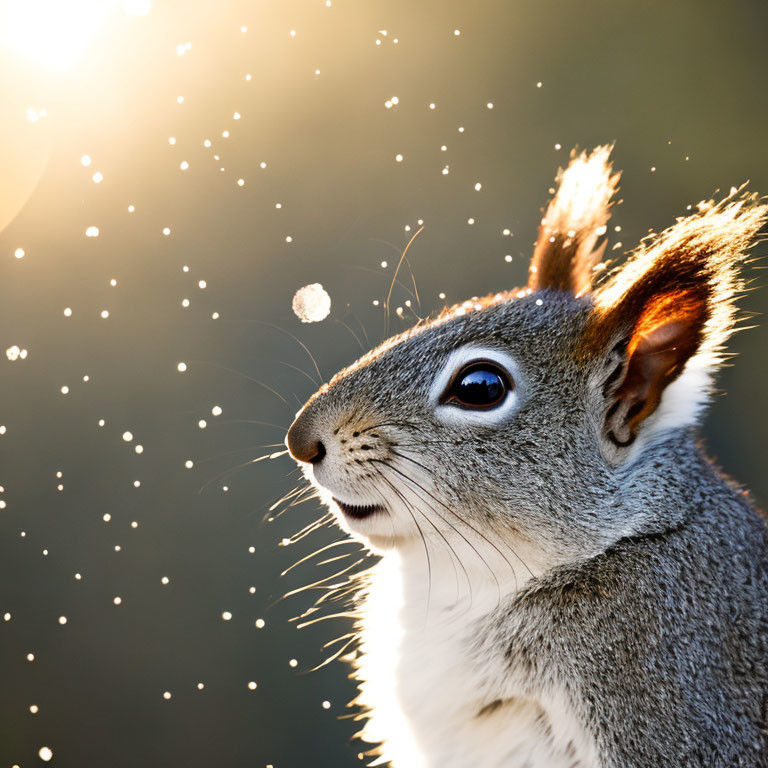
(52, 32)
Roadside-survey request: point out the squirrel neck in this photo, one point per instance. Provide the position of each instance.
(475, 572)
(669, 480)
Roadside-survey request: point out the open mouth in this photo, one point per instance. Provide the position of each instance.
(358, 511)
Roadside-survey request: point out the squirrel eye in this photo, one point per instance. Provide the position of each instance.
(478, 385)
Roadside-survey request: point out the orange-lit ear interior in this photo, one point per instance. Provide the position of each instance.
(666, 335)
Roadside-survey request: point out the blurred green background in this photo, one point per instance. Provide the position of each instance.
(680, 88)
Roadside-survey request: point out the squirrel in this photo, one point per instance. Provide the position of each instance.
(566, 580)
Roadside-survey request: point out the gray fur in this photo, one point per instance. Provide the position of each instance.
(653, 616)
(664, 637)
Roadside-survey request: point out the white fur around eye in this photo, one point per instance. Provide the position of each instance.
(458, 359)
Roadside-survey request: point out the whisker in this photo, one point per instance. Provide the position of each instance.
(421, 442)
(397, 250)
(337, 592)
(230, 472)
(429, 471)
(237, 450)
(240, 373)
(454, 555)
(249, 421)
(296, 368)
(394, 276)
(409, 479)
(342, 585)
(338, 543)
(392, 246)
(352, 637)
(378, 272)
(297, 340)
(302, 494)
(327, 617)
(355, 336)
(421, 533)
(336, 575)
(319, 523)
(404, 424)
(362, 327)
(413, 280)
(339, 639)
(296, 491)
(330, 560)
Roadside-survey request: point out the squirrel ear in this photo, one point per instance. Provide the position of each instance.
(664, 317)
(666, 335)
(565, 253)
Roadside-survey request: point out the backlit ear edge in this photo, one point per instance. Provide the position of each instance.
(565, 255)
(674, 298)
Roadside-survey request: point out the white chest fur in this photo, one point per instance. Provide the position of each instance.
(433, 702)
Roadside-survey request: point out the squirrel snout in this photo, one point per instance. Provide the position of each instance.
(302, 441)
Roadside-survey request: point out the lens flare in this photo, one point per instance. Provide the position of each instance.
(51, 32)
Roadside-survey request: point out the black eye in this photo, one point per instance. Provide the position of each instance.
(478, 385)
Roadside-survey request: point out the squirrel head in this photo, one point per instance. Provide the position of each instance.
(521, 415)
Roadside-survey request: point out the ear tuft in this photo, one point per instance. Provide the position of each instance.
(565, 253)
(667, 313)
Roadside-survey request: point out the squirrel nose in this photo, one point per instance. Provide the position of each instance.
(302, 441)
